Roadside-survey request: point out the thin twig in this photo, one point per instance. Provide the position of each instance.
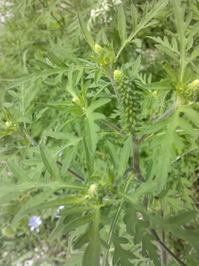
(44, 5)
(112, 126)
(164, 254)
(58, 22)
(67, 3)
(184, 153)
(72, 172)
(165, 115)
(153, 232)
(66, 9)
(34, 143)
(168, 113)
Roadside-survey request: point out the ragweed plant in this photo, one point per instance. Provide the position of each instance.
(128, 173)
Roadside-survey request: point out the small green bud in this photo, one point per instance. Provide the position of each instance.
(118, 75)
(98, 49)
(194, 85)
(75, 100)
(93, 191)
(8, 124)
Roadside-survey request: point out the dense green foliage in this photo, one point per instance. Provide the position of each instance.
(99, 114)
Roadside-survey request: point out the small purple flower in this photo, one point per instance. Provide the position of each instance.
(34, 222)
(58, 210)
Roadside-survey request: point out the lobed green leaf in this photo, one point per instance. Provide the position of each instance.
(50, 163)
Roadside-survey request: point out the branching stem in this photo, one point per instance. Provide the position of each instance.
(112, 126)
(136, 167)
(165, 115)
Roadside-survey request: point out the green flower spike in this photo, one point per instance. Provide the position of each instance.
(128, 100)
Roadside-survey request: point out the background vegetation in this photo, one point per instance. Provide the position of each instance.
(99, 132)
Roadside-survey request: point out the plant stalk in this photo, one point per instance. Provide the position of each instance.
(136, 159)
(153, 232)
(105, 258)
(165, 115)
(136, 167)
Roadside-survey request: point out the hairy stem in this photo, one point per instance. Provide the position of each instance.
(168, 113)
(105, 258)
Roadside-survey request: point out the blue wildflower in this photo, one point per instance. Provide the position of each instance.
(34, 222)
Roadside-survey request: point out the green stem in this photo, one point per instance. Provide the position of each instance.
(105, 259)
(112, 126)
(136, 159)
(164, 116)
(153, 232)
(136, 165)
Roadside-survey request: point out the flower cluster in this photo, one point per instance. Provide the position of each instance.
(35, 221)
(192, 91)
(128, 100)
(104, 56)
